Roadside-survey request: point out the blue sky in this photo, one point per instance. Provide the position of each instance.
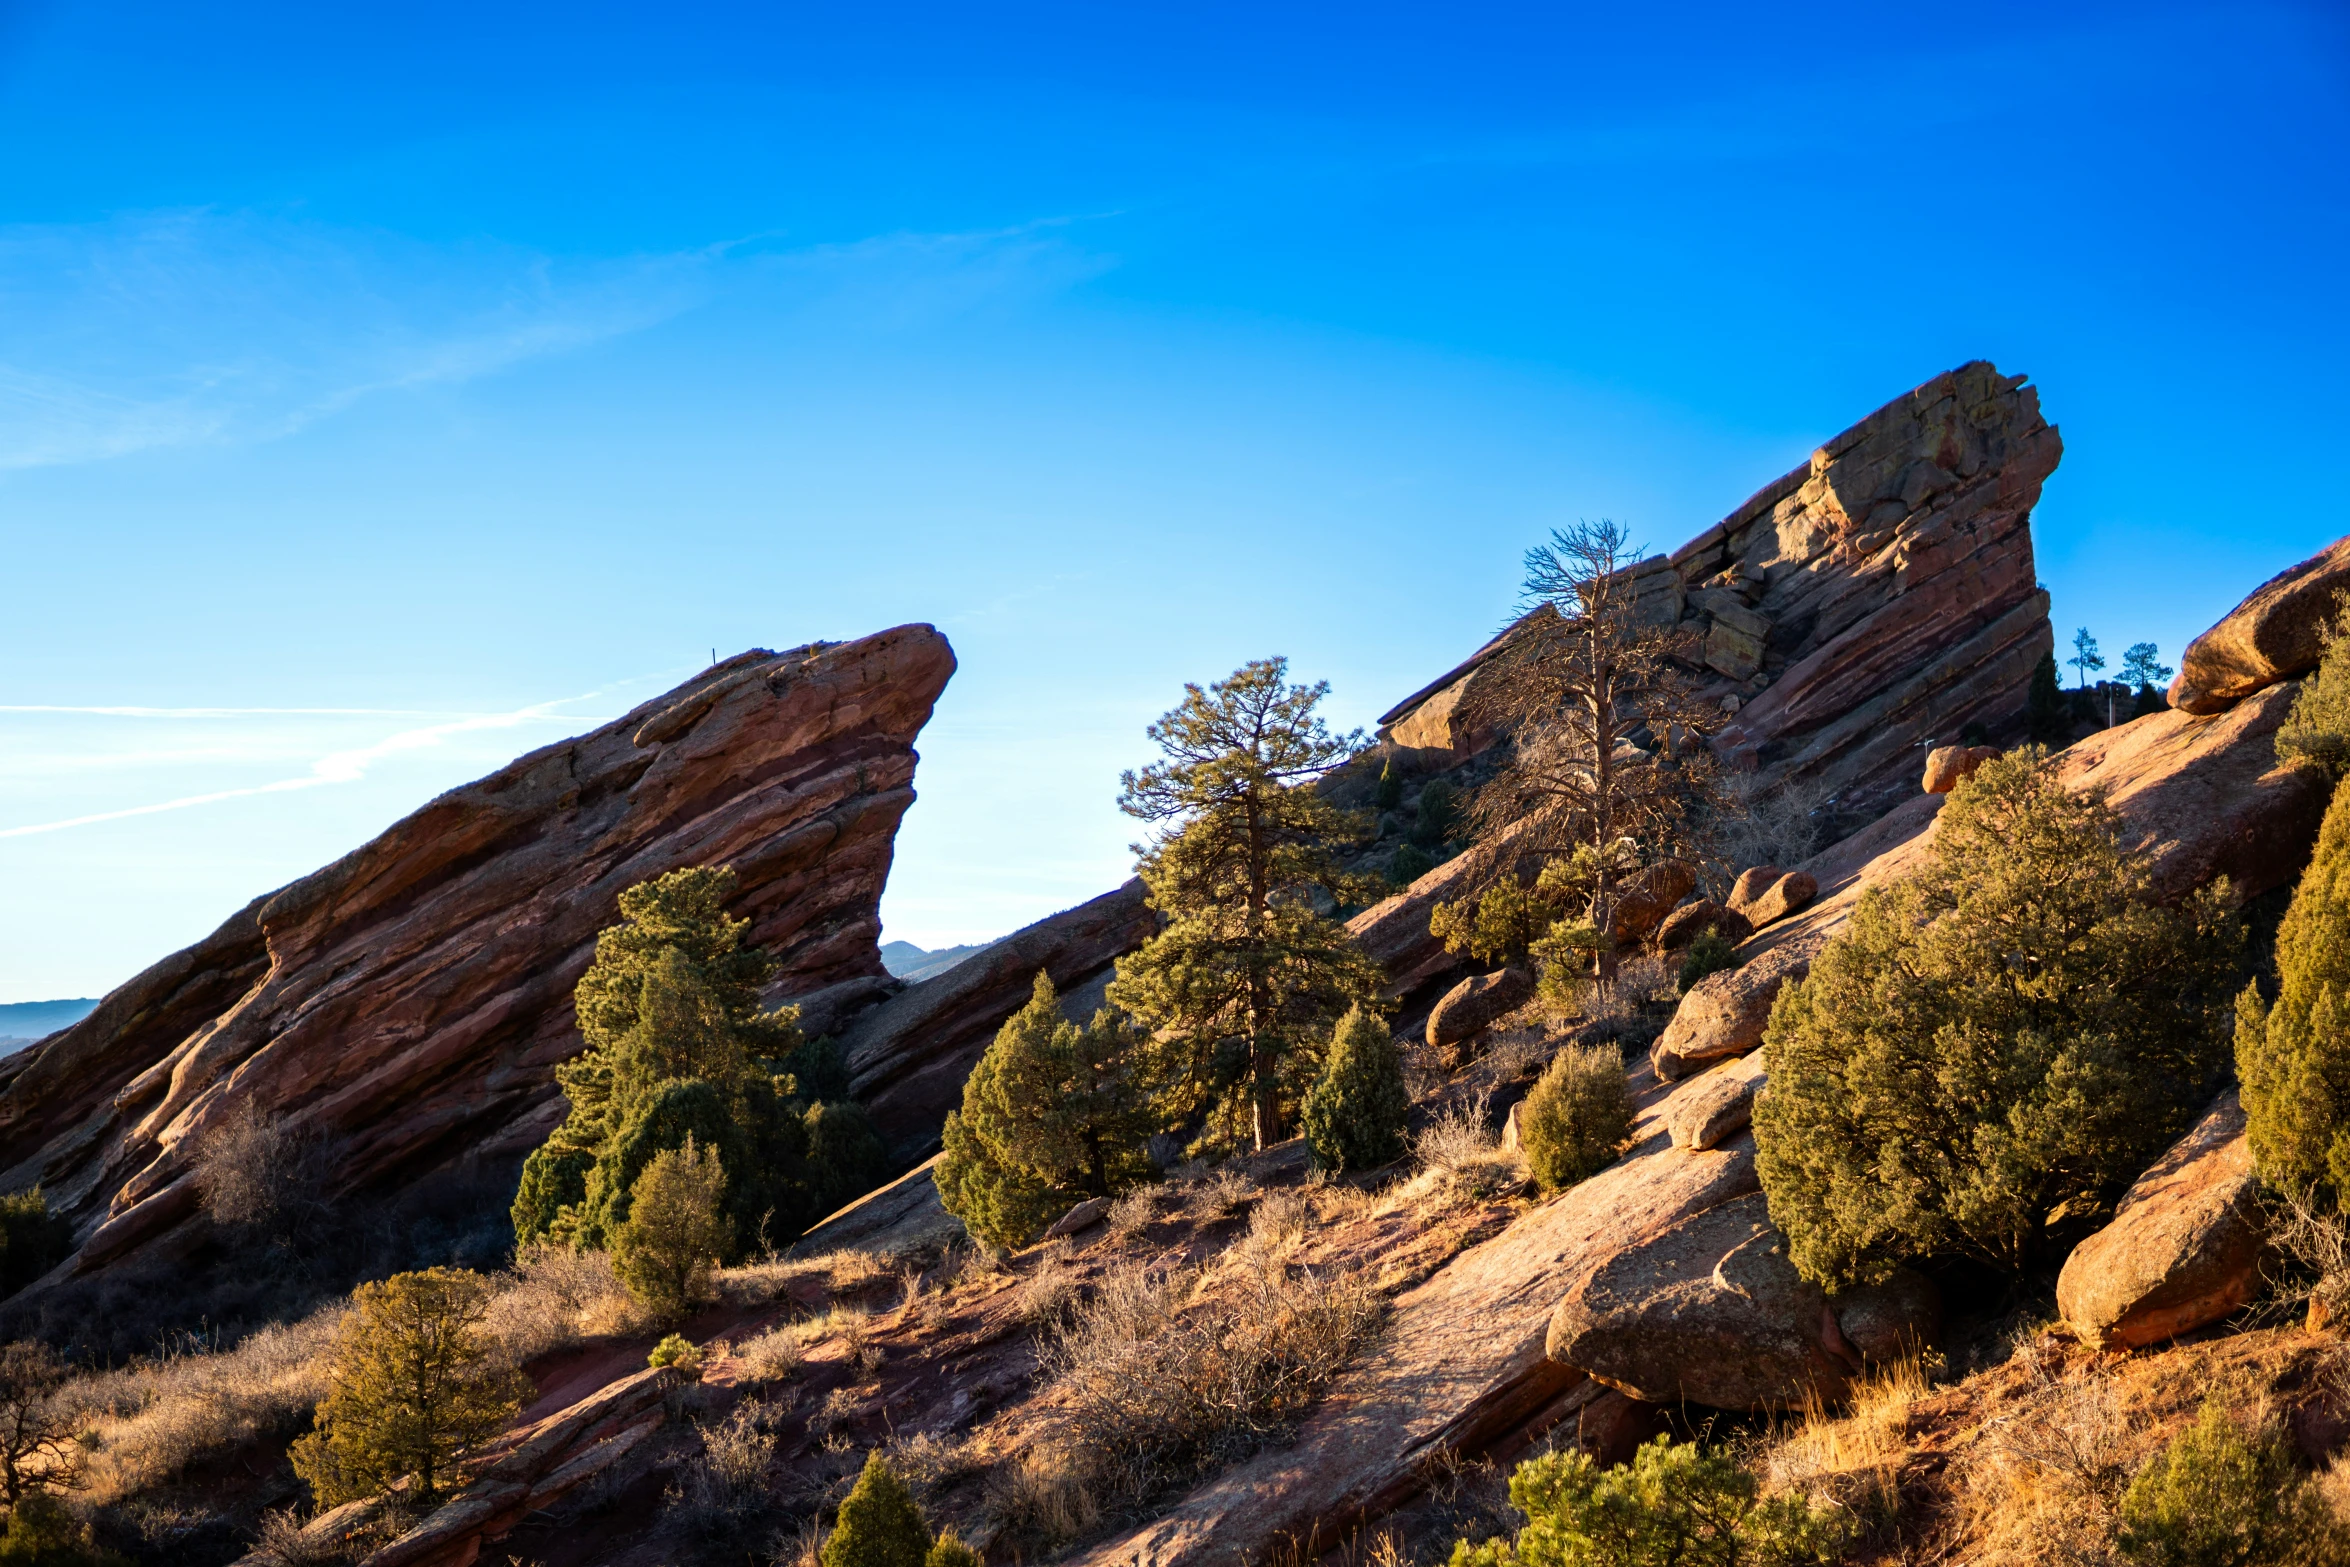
(384, 393)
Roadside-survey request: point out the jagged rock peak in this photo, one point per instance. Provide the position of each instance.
(1860, 608)
(411, 1000)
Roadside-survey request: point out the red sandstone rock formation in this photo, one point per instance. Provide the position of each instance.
(2275, 634)
(1876, 598)
(410, 1001)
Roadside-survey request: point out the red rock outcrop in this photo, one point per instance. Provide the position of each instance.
(1949, 765)
(1878, 597)
(2275, 634)
(1477, 1001)
(2185, 1246)
(411, 1000)
(1686, 923)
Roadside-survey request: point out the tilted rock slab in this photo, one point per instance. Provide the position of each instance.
(1885, 591)
(1460, 1365)
(908, 1057)
(2275, 634)
(2203, 796)
(1719, 1105)
(411, 1000)
(2185, 1246)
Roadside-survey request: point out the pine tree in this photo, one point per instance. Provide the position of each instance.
(678, 1044)
(674, 1232)
(1605, 767)
(1050, 1116)
(879, 1524)
(1354, 1116)
(414, 1386)
(2142, 666)
(2086, 660)
(2016, 1029)
(2046, 718)
(1243, 983)
(2316, 733)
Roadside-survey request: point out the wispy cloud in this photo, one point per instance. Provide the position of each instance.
(344, 766)
(184, 327)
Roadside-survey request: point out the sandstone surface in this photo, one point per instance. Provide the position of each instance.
(1647, 899)
(410, 1001)
(1876, 597)
(1719, 1104)
(1949, 765)
(2185, 1246)
(1395, 930)
(1682, 926)
(2275, 634)
(1722, 1015)
(1477, 1001)
(908, 1056)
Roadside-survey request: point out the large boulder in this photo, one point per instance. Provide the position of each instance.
(1475, 1002)
(2185, 1246)
(1718, 1105)
(1722, 1015)
(1684, 924)
(409, 1003)
(1712, 1312)
(1950, 765)
(1645, 901)
(2275, 634)
(1775, 899)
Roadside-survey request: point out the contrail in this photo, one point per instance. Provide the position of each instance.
(334, 768)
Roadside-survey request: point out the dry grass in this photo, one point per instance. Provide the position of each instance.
(2041, 1486)
(1213, 1197)
(2318, 1244)
(1132, 1211)
(1854, 1457)
(722, 1486)
(282, 1543)
(1046, 1294)
(1155, 1379)
(556, 1297)
(1461, 1160)
(774, 1356)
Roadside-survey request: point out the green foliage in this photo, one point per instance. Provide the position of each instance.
(1439, 819)
(42, 1533)
(32, 1239)
(2046, 718)
(1710, 953)
(1408, 864)
(2293, 1058)
(1244, 956)
(2015, 1029)
(1577, 1116)
(1672, 1506)
(678, 1045)
(2142, 666)
(415, 1386)
(2214, 1497)
(2148, 700)
(1354, 1116)
(2086, 660)
(948, 1551)
(879, 1524)
(1389, 794)
(1051, 1115)
(674, 1232)
(2316, 733)
(1503, 923)
(1973, 732)
(677, 1350)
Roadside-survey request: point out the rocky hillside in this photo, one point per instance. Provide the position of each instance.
(407, 1004)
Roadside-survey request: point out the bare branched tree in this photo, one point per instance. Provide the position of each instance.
(1606, 755)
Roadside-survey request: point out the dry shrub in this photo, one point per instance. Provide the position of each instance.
(1131, 1211)
(554, 1298)
(840, 1406)
(281, 1542)
(1154, 1386)
(154, 1418)
(722, 1487)
(1046, 1294)
(1778, 823)
(258, 1172)
(1217, 1196)
(774, 1356)
(852, 1270)
(1461, 1159)
(2317, 1243)
(1281, 1216)
(1044, 1498)
(2041, 1487)
(929, 1463)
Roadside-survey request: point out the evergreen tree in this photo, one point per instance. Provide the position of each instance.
(1577, 1116)
(2086, 660)
(1241, 985)
(2148, 700)
(2142, 666)
(1354, 1116)
(879, 1524)
(2046, 719)
(32, 1239)
(1051, 1115)
(2316, 733)
(674, 1232)
(414, 1386)
(2293, 1058)
(2015, 1029)
(2215, 1495)
(678, 1045)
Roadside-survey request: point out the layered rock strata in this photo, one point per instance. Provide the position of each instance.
(1875, 599)
(408, 1003)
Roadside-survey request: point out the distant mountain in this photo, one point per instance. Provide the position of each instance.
(22, 1022)
(908, 962)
